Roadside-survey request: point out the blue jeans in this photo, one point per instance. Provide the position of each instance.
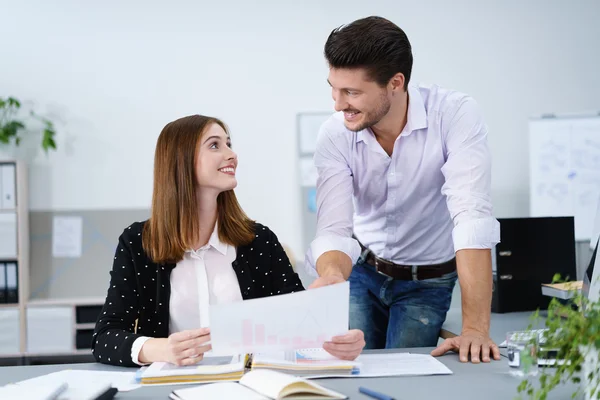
(395, 313)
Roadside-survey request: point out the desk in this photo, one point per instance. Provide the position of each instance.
(469, 381)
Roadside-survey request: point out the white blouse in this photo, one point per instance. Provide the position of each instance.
(203, 277)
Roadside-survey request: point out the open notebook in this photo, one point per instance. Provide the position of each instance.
(259, 385)
(210, 369)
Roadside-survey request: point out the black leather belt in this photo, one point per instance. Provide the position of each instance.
(407, 272)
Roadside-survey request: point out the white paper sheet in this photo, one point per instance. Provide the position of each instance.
(283, 322)
(208, 366)
(37, 392)
(400, 364)
(370, 365)
(67, 235)
(82, 383)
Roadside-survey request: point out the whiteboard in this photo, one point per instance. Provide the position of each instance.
(564, 176)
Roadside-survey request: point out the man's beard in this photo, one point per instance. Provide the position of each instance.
(373, 118)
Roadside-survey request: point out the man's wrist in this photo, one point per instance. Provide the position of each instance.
(475, 330)
(332, 270)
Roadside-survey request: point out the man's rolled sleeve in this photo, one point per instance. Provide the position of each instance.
(468, 179)
(323, 244)
(483, 233)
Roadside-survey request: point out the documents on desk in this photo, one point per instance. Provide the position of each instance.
(285, 333)
(217, 369)
(307, 363)
(82, 384)
(259, 385)
(400, 364)
(317, 363)
(305, 319)
(49, 391)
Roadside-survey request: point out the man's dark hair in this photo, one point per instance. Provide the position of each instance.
(373, 43)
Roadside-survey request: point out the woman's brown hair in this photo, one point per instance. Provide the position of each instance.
(173, 225)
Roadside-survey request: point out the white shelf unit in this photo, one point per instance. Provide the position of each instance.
(61, 327)
(14, 225)
(35, 328)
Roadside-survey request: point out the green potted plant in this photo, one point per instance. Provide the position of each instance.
(11, 126)
(573, 330)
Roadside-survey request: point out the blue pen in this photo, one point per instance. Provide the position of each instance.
(375, 395)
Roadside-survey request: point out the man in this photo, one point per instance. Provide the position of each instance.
(404, 191)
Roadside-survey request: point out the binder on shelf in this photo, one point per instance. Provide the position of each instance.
(8, 235)
(2, 283)
(12, 283)
(8, 188)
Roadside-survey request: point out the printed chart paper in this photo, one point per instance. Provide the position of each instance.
(305, 319)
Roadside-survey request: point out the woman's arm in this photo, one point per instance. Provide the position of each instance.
(283, 277)
(113, 334)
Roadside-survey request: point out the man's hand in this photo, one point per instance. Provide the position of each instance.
(478, 345)
(327, 280)
(346, 347)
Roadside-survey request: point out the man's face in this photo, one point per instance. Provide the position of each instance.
(363, 101)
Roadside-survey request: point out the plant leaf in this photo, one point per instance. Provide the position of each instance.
(14, 102)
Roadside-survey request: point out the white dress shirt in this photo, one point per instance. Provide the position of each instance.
(203, 277)
(420, 205)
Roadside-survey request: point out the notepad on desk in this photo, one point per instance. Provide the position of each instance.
(259, 385)
(210, 369)
(304, 362)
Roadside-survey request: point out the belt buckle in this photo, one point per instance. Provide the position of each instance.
(414, 269)
(376, 262)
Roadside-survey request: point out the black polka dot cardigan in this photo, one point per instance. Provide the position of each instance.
(140, 290)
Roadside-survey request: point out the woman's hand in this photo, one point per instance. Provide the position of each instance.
(348, 346)
(187, 347)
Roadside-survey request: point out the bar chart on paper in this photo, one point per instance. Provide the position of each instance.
(255, 335)
(286, 322)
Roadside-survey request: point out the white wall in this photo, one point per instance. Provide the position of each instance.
(114, 73)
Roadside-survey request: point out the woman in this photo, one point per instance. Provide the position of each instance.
(197, 248)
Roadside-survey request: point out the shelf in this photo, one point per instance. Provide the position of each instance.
(11, 305)
(77, 302)
(80, 352)
(9, 355)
